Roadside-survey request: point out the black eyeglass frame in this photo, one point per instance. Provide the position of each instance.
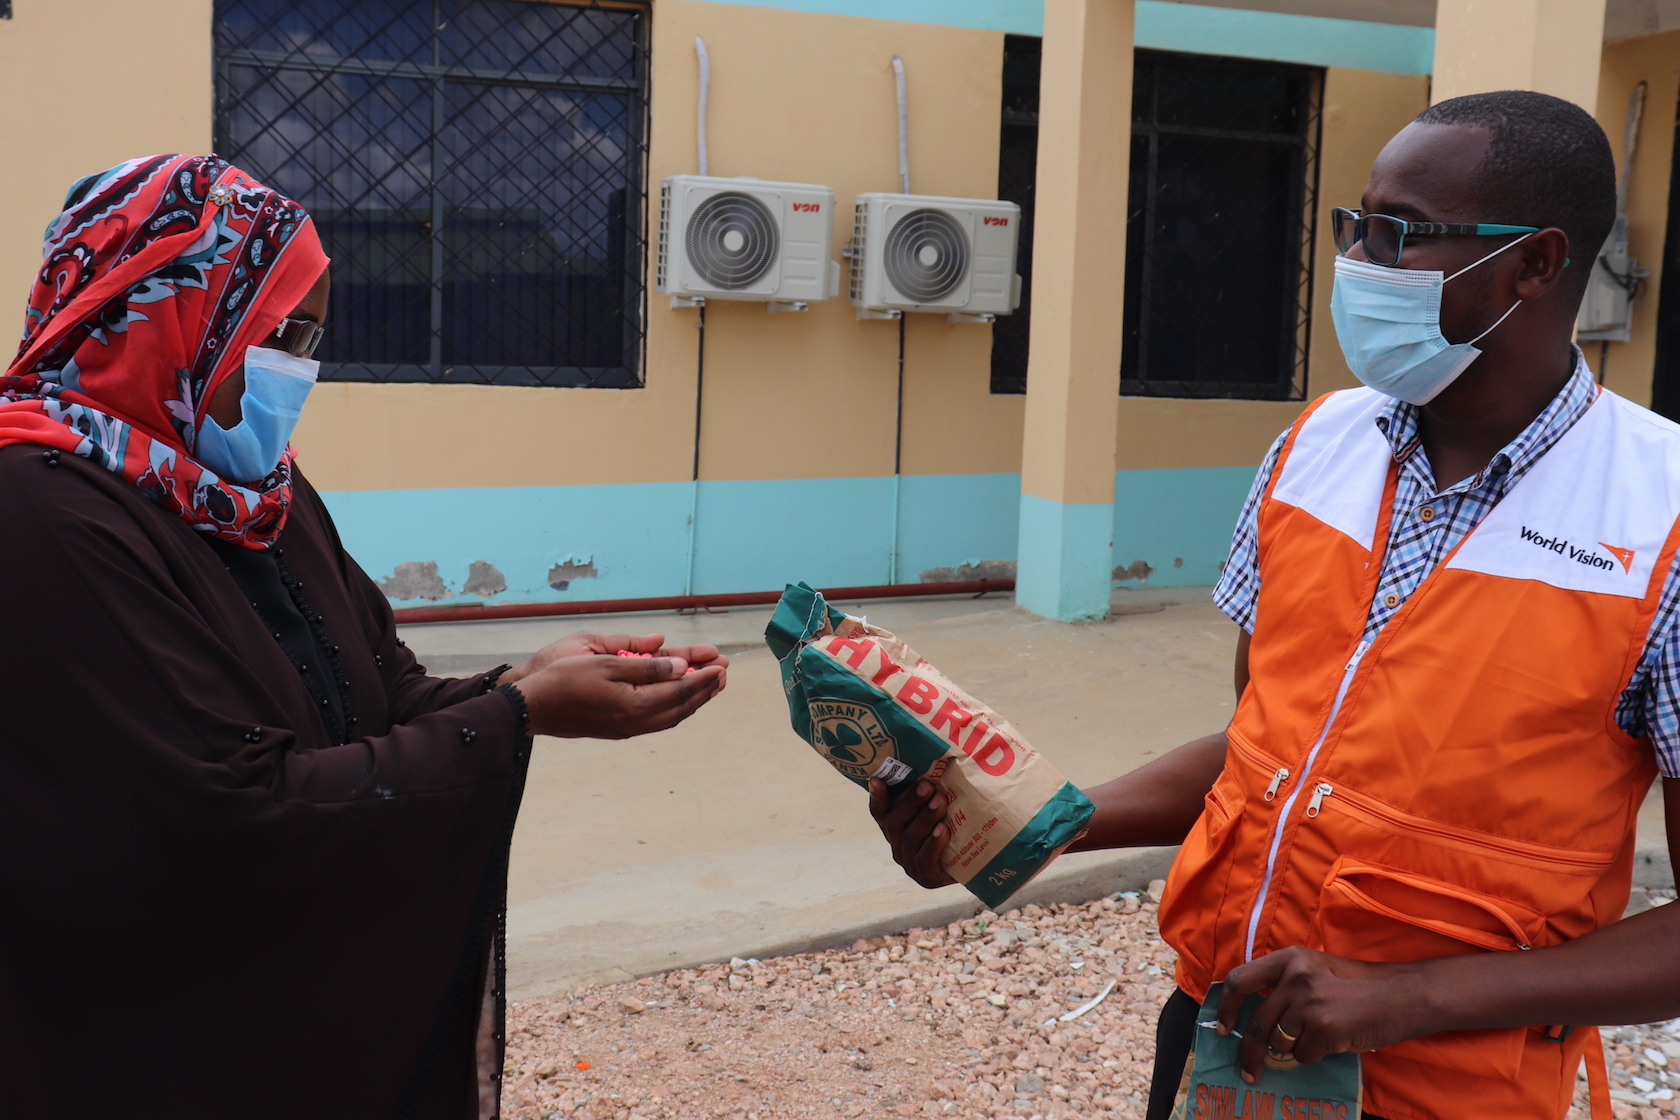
(299, 337)
(1352, 226)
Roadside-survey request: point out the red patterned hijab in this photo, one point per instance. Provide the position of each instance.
(154, 280)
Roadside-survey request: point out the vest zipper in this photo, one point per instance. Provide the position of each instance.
(1278, 779)
(1320, 792)
(1289, 803)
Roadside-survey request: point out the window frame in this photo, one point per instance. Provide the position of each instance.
(1007, 378)
(1291, 383)
(636, 212)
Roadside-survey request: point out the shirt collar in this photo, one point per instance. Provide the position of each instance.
(1399, 425)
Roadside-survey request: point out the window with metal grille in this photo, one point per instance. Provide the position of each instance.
(1221, 222)
(475, 169)
(1017, 180)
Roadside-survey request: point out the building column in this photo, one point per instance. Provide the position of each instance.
(1551, 46)
(1066, 552)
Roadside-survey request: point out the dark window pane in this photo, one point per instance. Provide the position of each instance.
(1209, 259)
(384, 30)
(1219, 226)
(1187, 92)
(1665, 385)
(1017, 180)
(533, 253)
(540, 38)
(1022, 58)
(485, 221)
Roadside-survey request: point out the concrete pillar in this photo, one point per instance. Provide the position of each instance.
(1552, 46)
(1066, 549)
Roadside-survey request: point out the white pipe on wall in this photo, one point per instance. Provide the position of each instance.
(705, 86)
(903, 127)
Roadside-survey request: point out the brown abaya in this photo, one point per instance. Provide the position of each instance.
(208, 909)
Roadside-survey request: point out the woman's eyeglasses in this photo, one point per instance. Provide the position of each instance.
(298, 337)
(1385, 237)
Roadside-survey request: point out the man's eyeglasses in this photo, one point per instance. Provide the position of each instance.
(298, 337)
(1385, 237)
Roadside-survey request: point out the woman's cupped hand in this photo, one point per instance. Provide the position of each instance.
(579, 686)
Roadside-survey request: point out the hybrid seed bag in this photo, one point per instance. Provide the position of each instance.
(869, 705)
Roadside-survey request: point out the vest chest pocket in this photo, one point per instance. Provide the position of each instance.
(1376, 913)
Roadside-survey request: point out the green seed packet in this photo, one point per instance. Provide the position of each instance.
(1213, 1088)
(873, 708)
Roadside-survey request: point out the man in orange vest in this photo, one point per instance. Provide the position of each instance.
(1458, 671)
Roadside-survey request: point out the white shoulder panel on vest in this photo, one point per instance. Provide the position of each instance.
(1338, 466)
(1594, 512)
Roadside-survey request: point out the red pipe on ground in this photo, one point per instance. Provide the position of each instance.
(410, 615)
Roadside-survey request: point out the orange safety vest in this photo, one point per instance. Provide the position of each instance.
(1460, 785)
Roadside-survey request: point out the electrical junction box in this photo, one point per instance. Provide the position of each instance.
(913, 252)
(747, 239)
(1616, 281)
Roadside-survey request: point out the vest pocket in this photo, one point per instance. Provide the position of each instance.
(1375, 913)
(1197, 882)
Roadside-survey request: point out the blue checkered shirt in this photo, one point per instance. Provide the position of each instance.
(1651, 703)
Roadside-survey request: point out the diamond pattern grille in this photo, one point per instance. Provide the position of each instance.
(474, 167)
(1221, 223)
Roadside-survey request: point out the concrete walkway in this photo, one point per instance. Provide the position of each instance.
(728, 836)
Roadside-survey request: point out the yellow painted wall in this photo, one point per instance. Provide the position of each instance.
(797, 97)
(1362, 110)
(84, 85)
(1546, 45)
(1654, 59)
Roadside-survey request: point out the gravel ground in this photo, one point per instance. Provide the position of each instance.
(948, 1021)
(964, 1020)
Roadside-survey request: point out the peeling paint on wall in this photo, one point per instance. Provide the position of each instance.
(415, 579)
(972, 570)
(484, 578)
(562, 574)
(1139, 570)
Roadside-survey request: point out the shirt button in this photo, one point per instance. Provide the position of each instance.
(1427, 513)
(1391, 600)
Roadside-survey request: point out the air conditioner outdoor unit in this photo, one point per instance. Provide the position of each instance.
(746, 239)
(914, 252)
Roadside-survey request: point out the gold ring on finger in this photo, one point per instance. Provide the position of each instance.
(1289, 1037)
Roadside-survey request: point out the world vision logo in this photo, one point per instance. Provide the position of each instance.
(1583, 555)
(850, 736)
(1625, 555)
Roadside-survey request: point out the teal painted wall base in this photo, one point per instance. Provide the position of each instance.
(1067, 549)
(752, 536)
(1172, 528)
(1167, 528)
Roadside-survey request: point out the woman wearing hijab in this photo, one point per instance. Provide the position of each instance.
(252, 859)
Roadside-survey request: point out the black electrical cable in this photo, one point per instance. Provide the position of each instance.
(700, 385)
(898, 436)
(898, 459)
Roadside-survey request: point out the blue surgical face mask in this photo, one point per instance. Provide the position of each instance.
(1388, 321)
(276, 384)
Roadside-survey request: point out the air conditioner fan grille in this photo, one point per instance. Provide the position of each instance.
(731, 240)
(925, 255)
